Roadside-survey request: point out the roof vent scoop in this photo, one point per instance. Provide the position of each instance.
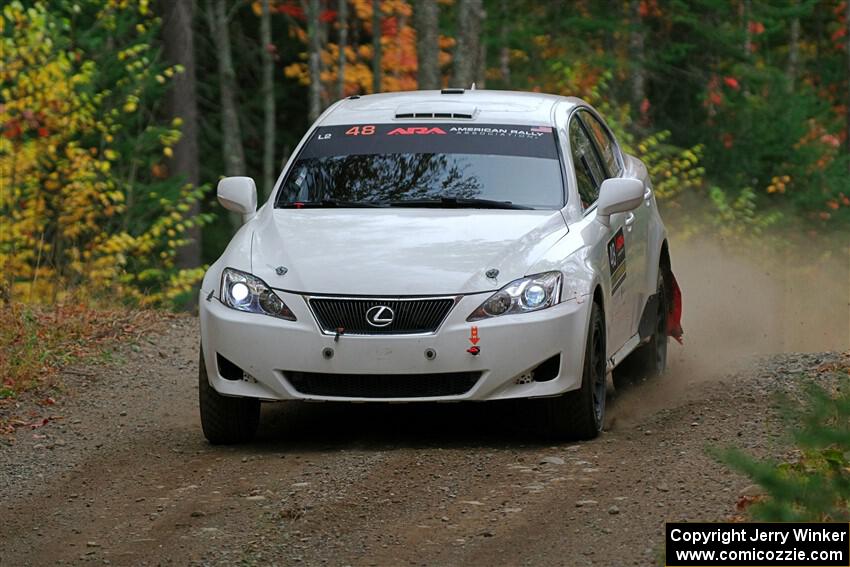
(436, 110)
(453, 90)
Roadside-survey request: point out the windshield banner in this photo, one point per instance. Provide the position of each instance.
(432, 138)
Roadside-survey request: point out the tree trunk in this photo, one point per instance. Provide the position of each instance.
(794, 49)
(314, 50)
(234, 153)
(181, 102)
(325, 93)
(847, 139)
(376, 46)
(637, 43)
(481, 67)
(343, 42)
(268, 99)
(505, 48)
(426, 20)
(467, 51)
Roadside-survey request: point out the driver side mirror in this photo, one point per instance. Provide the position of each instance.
(618, 195)
(238, 194)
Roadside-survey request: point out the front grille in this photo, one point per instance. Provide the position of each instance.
(383, 385)
(410, 316)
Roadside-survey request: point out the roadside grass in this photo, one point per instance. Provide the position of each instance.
(38, 341)
(812, 484)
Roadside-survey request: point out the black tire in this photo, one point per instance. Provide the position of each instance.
(580, 414)
(649, 360)
(225, 420)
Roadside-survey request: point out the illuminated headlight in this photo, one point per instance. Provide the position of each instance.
(244, 292)
(522, 296)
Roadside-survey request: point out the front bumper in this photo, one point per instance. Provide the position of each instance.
(270, 349)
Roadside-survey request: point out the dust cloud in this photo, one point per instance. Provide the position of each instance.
(742, 301)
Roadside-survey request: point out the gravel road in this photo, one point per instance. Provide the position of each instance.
(122, 475)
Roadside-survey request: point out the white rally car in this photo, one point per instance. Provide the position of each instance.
(440, 246)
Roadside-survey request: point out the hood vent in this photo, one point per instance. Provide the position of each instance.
(453, 115)
(437, 110)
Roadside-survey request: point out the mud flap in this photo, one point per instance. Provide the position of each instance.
(674, 315)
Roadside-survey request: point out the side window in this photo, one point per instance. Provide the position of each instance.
(604, 142)
(589, 173)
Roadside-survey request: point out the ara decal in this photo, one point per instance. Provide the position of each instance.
(414, 130)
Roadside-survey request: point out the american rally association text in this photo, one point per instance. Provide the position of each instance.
(726, 536)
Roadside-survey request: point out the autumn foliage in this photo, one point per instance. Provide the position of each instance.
(398, 47)
(86, 206)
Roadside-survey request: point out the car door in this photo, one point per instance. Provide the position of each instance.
(590, 173)
(636, 222)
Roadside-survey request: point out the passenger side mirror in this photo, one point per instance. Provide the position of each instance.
(238, 194)
(618, 195)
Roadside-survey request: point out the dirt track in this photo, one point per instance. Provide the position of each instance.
(124, 476)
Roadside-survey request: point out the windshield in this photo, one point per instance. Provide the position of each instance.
(426, 165)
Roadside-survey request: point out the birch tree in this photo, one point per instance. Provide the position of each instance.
(426, 20)
(218, 19)
(467, 50)
(794, 49)
(376, 46)
(181, 103)
(343, 42)
(314, 55)
(268, 98)
(847, 113)
(637, 41)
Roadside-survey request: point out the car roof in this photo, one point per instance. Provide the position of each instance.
(463, 106)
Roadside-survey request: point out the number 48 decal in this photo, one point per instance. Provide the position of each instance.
(360, 131)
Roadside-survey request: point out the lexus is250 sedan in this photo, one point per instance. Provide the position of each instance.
(453, 245)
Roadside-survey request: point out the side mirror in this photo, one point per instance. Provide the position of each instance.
(238, 194)
(618, 195)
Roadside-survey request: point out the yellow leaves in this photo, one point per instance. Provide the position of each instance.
(778, 184)
(75, 193)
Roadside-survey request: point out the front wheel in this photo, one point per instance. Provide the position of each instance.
(225, 420)
(580, 414)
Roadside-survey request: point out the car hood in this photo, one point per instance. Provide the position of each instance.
(396, 251)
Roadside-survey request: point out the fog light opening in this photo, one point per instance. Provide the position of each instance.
(228, 370)
(548, 369)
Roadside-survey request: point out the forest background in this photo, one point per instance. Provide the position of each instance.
(117, 117)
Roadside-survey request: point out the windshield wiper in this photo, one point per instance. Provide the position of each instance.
(331, 203)
(457, 202)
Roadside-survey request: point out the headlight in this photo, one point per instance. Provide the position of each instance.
(248, 293)
(521, 296)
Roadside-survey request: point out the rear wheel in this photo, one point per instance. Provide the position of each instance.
(649, 360)
(580, 414)
(225, 420)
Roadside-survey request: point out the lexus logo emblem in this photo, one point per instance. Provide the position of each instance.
(379, 316)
